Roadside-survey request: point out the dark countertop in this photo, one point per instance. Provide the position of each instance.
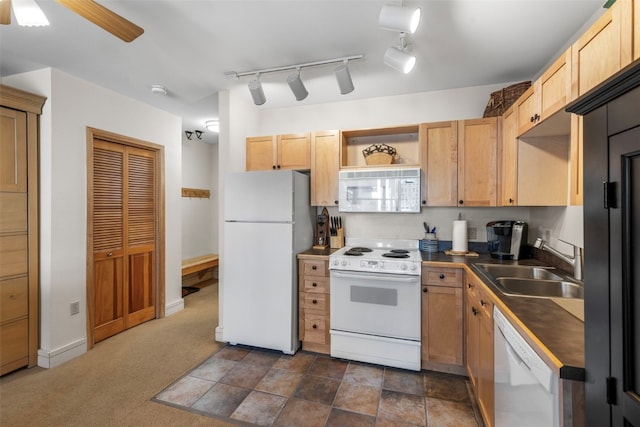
(556, 334)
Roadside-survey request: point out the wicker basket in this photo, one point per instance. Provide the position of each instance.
(501, 100)
(379, 154)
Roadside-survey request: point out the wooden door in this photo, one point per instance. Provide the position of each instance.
(261, 153)
(124, 204)
(442, 328)
(555, 86)
(325, 160)
(508, 160)
(478, 162)
(294, 151)
(439, 161)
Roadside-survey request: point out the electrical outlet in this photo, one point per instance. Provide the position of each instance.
(472, 233)
(75, 307)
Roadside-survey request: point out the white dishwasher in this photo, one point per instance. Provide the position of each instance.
(526, 389)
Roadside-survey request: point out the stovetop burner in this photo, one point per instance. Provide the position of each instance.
(399, 251)
(357, 251)
(394, 254)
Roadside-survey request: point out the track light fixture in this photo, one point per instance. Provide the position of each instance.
(398, 58)
(399, 18)
(257, 93)
(297, 87)
(189, 134)
(343, 76)
(294, 81)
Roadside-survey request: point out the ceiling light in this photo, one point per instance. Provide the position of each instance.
(159, 89)
(399, 18)
(255, 87)
(213, 125)
(29, 14)
(399, 60)
(343, 76)
(297, 87)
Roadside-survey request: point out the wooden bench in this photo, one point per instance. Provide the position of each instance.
(199, 264)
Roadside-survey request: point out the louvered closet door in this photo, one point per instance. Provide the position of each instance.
(124, 220)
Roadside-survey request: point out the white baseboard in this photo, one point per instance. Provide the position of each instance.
(174, 307)
(219, 334)
(53, 358)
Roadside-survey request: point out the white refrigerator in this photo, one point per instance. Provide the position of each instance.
(267, 222)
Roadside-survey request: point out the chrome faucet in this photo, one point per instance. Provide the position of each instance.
(575, 261)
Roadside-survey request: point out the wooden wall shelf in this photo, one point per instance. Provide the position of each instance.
(196, 192)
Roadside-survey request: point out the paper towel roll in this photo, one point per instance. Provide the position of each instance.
(460, 236)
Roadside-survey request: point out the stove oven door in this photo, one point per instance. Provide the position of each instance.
(385, 305)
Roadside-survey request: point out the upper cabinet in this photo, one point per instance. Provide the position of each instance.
(477, 161)
(605, 48)
(290, 151)
(404, 139)
(439, 152)
(325, 161)
(508, 159)
(636, 30)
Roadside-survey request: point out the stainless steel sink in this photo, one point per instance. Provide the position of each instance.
(520, 271)
(540, 288)
(531, 281)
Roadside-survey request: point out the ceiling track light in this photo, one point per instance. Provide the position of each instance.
(257, 93)
(398, 58)
(343, 76)
(297, 86)
(399, 18)
(294, 81)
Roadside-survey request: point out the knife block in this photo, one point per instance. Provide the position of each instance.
(337, 241)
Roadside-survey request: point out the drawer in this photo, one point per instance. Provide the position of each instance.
(315, 301)
(14, 255)
(14, 342)
(316, 328)
(314, 268)
(14, 298)
(442, 276)
(316, 284)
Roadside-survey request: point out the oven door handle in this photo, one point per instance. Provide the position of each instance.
(385, 278)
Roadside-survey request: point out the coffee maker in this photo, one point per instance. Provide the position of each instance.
(507, 239)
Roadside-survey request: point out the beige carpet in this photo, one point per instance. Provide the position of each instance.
(112, 385)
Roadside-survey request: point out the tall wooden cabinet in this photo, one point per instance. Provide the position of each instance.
(477, 161)
(439, 160)
(325, 163)
(19, 309)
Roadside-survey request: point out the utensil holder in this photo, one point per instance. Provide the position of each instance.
(337, 241)
(429, 243)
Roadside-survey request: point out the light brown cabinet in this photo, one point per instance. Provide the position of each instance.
(527, 110)
(404, 139)
(442, 314)
(459, 161)
(19, 291)
(325, 163)
(604, 49)
(439, 160)
(479, 345)
(508, 160)
(288, 151)
(314, 298)
(478, 161)
(576, 170)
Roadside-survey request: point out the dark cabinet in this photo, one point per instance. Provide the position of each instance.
(612, 256)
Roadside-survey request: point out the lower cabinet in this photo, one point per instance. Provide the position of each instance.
(313, 288)
(479, 346)
(442, 314)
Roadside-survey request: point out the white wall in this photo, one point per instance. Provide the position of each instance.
(197, 230)
(72, 105)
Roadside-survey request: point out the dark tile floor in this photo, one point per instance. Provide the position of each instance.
(255, 386)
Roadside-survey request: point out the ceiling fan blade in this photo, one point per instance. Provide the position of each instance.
(104, 18)
(5, 12)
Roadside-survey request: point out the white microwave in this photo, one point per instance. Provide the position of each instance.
(379, 190)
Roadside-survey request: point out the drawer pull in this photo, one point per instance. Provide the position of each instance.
(315, 301)
(441, 276)
(12, 296)
(315, 326)
(314, 267)
(314, 284)
(425, 290)
(483, 302)
(110, 254)
(469, 285)
(474, 311)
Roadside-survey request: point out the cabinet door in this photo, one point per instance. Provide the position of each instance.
(528, 109)
(576, 171)
(555, 86)
(508, 160)
(260, 153)
(439, 161)
(294, 151)
(472, 332)
(325, 160)
(477, 162)
(485, 387)
(442, 326)
(603, 49)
